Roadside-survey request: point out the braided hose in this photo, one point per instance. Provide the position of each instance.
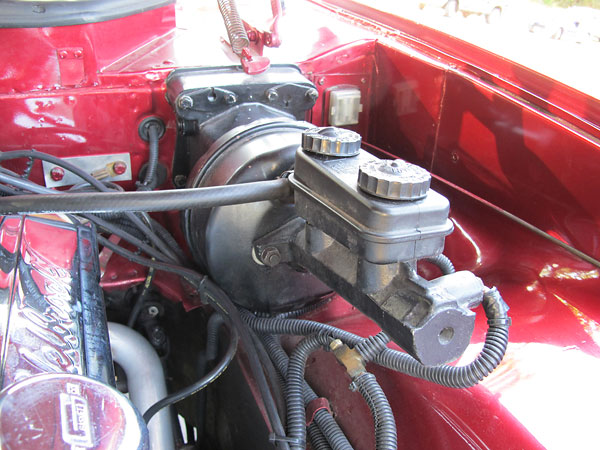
(238, 38)
(383, 417)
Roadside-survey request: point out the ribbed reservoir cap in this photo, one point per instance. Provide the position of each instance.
(331, 141)
(394, 179)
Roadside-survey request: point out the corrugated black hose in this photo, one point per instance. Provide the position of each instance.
(491, 355)
(443, 263)
(323, 420)
(383, 417)
(296, 414)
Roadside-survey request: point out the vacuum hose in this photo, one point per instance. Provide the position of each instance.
(168, 200)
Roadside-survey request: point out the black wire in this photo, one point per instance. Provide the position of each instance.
(202, 382)
(141, 298)
(9, 177)
(17, 154)
(221, 302)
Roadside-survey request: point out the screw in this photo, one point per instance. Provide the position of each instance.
(158, 337)
(312, 94)
(63, 54)
(119, 168)
(185, 102)
(57, 173)
(270, 256)
(179, 180)
(272, 95)
(78, 54)
(153, 311)
(230, 99)
(454, 156)
(321, 81)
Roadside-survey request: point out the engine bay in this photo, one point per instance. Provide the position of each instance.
(251, 253)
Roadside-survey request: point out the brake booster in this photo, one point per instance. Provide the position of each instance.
(357, 225)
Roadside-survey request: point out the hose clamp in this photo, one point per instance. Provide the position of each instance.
(500, 322)
(315, 406)
(275, 438)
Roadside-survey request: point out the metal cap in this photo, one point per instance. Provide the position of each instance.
(331, 141)
(64, 411)
(394, 179)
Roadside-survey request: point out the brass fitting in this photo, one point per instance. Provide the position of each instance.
(349, 357)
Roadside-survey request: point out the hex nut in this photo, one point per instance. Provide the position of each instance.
(270, 256)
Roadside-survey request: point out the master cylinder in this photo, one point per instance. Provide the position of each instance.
(362, 224)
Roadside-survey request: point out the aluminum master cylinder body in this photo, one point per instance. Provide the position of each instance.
(362, 225)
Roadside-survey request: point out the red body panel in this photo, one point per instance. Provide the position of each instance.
(506, 134)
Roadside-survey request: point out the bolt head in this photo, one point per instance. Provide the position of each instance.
(78, 54)
(272, 95)
(185, 102)
(312, 94)
(57, 173)
(63, 54)
(270, 256)
(153, 311)
(119, 167)
(230, 99)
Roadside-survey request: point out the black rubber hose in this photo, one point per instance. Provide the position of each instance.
(81, 174)
(211, 293)
(491, 355)
(327, 425)
(443, 263)
(383, 417)
(215, 322)
(296, 414)
(150, 181)
(168, 200)
(210, 377)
